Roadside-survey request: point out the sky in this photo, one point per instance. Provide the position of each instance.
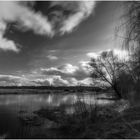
(51, 42)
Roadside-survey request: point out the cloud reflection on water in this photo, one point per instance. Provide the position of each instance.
(50, 99)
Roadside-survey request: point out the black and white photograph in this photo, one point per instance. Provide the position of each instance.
(69, 69)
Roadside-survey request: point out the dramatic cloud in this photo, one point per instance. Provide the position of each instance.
(85, 9)
(64, 75)
(25, 18)
(6, 44)
(58, 20)
(54, 80)
(67, 71)
(77, 11)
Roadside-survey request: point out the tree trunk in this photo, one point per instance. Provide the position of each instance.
(119, 96)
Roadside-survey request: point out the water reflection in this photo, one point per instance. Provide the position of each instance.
(33, 102)
(11, 106)
(51, 99)
(8, 121)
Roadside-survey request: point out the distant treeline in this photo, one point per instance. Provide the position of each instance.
(69, 88)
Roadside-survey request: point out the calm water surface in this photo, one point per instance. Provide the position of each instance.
(34, 101)
(12, 105)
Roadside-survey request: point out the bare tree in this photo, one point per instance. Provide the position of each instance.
(107, 68)
(132, 24)
(133, 39)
